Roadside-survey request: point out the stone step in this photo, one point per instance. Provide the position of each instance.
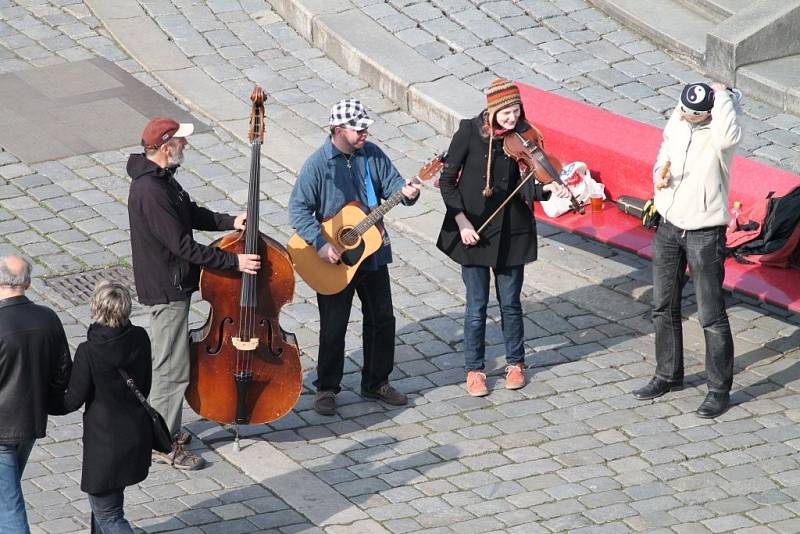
(672, 24)
(776, 81)
(719, 9)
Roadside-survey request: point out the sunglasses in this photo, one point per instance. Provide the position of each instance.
(686, 111)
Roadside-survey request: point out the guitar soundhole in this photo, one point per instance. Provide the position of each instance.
(347, 237)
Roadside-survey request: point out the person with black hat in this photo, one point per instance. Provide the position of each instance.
(346, 168)
(477, 177)
(699, 141)
(166, 266)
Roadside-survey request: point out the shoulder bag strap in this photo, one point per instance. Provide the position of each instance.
(132, 386)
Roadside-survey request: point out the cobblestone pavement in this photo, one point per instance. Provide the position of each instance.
(572, 451)
(574, 49)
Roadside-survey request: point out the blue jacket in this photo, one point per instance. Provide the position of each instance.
(325, 184)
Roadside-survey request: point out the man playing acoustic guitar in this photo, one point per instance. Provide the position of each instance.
(347, 168)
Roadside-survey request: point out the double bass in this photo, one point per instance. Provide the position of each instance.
(245, 369)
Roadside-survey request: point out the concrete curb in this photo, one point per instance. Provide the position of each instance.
(765, 30)
(144, 41)
(415, 83)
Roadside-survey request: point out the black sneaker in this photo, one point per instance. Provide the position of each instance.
(387, 394)
(656, 387)
(325, 403)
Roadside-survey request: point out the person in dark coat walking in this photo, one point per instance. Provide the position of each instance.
(478, 176)
(117, 435)
(34, 368)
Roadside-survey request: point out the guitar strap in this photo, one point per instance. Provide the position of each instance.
(372, 199)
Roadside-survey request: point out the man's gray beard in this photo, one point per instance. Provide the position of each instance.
(174, 161)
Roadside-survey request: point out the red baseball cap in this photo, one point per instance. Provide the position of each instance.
(161, 129)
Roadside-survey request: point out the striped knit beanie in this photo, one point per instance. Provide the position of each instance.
(501, 94)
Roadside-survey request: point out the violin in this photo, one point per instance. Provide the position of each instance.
(245, 369)
(526, 149)
(534, 162)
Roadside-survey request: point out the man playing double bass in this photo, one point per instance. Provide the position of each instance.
(346, 168)
(166, 267)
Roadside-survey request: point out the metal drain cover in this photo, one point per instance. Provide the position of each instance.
(77, 288)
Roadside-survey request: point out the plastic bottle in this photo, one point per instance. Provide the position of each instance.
(736, 210)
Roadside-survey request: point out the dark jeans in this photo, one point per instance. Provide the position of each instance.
(378, 335)
(508, 286)
(108, 515)
(703, 251)
(13, 457)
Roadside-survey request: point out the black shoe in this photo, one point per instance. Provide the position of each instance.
(716, 403)
(387, 394)
(656, 387)
(325, 403)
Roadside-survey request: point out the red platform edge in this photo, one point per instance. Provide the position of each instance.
(620, 153)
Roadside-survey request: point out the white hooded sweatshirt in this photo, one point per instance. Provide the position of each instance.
(700, 161)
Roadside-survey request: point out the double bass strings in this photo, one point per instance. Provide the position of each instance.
(248, 293)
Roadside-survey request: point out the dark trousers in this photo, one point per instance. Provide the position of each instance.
(507, 286)
(378, 336)
(108, 515)
(703, 251)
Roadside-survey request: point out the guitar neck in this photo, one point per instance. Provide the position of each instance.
(377, 214)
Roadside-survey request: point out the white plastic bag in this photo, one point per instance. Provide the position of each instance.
(577, 177)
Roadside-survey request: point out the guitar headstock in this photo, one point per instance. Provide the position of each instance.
(432, 167)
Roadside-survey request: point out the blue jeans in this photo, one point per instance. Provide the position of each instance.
(703, 251)
(13, 457)
(508, 286)
(108, 515)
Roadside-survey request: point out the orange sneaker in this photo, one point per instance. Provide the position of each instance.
(476, 384)
(515, 376)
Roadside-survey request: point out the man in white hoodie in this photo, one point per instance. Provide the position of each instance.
(692, 199)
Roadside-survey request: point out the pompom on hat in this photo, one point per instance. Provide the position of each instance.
(502, 93)
(697, 99)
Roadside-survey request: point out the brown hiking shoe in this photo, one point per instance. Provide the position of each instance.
(476, 384)
(515, 376)
(387, 394)
(325, 402)
(184, 437)
(179, 458)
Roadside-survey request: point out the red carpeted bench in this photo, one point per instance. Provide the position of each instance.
(620, 153)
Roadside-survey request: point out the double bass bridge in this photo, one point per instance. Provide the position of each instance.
(240, 344)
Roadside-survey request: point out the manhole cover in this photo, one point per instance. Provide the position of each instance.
(77, 288)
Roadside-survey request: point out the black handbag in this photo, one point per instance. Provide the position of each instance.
(642, 209)
(162, 439)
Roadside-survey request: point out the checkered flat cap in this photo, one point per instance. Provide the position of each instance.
(351, 113)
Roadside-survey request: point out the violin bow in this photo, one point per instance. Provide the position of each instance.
(506, 201)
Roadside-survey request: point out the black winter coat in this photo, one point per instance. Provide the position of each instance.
(34, 367)
(510, 239)
(166, 258)
(117, 436)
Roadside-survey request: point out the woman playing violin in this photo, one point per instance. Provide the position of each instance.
(478, 176)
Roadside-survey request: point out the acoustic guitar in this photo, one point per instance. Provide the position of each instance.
(355, 232)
